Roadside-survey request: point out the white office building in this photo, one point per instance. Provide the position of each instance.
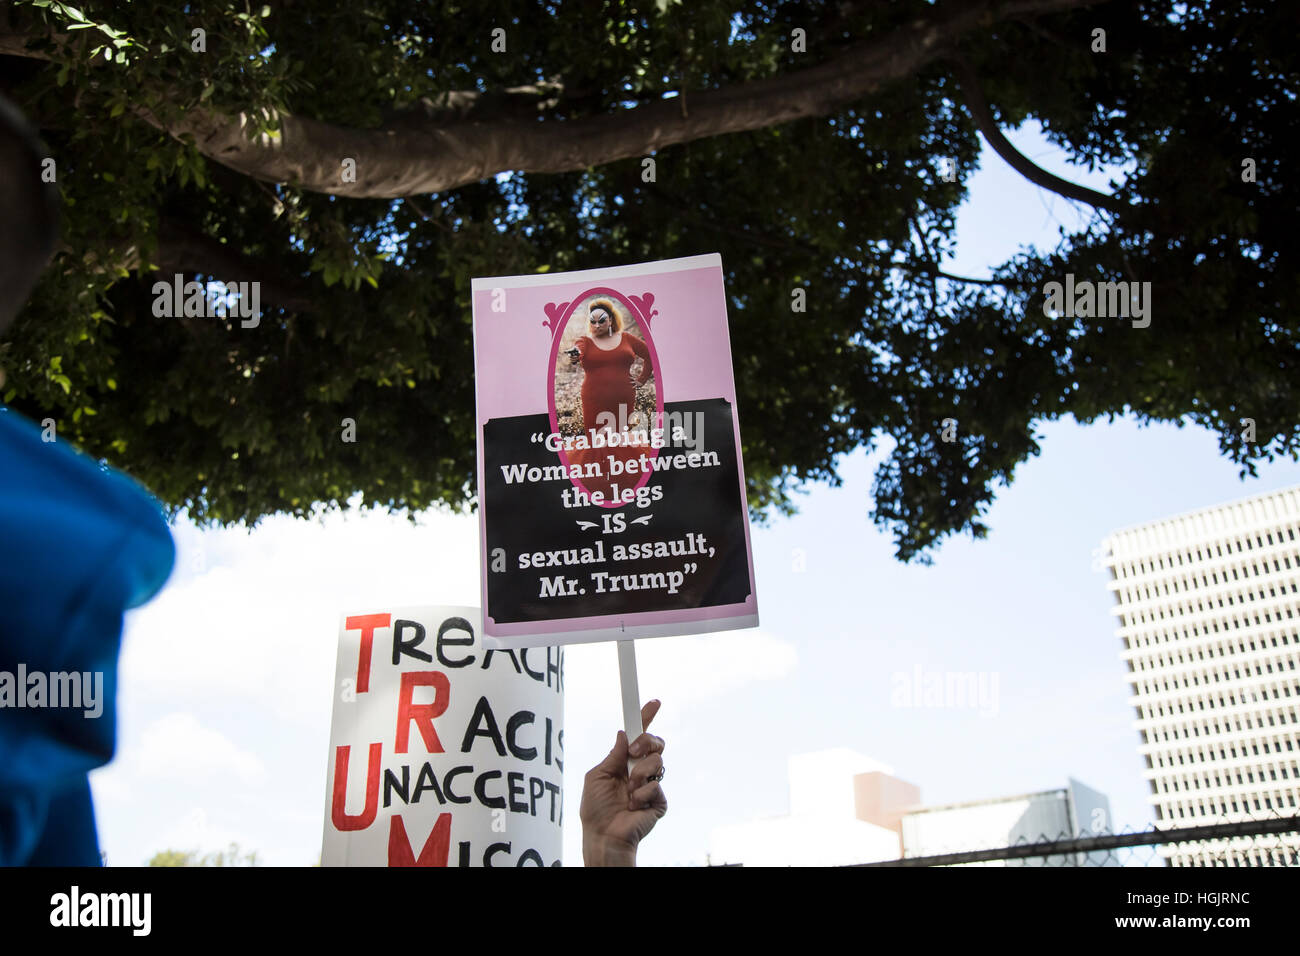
(1208, 611)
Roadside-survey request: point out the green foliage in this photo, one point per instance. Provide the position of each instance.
(231, 856)
(232, 424)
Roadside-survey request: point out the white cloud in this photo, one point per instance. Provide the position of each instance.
(255, 615)
(687, 670)
(178, 747)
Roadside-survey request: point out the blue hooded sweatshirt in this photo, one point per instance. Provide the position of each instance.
(80, 543)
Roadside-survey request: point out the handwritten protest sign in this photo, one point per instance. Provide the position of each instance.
(611, 488)
(442, 752)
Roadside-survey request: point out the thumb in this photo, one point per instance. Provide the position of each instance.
(648, 713)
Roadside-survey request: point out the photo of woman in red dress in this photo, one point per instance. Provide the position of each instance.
(606, 386)
(607, 354)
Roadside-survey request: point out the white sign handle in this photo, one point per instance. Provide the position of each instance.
(631, 694)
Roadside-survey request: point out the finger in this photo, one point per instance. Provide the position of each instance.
(647, 797)
(644, 770)
(648, 713)
(645, 745)
(615, 765)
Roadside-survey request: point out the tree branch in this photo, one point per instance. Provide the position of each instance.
(973, 93)
(432, 158)
(932, 270)
(183, 249)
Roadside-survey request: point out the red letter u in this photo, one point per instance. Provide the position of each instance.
(338, 810)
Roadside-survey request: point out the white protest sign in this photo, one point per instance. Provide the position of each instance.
(442, 752)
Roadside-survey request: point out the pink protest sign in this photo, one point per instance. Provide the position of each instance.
(610, 484)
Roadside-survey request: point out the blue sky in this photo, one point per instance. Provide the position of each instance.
(227, 675)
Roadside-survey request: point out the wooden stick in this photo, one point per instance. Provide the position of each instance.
(631, 694)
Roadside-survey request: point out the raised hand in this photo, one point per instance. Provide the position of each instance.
(619, 810)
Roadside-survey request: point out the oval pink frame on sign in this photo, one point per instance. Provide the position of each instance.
(557, 334)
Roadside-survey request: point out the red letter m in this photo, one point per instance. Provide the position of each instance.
(435, 848)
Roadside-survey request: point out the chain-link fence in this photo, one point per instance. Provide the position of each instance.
(1265, 840)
